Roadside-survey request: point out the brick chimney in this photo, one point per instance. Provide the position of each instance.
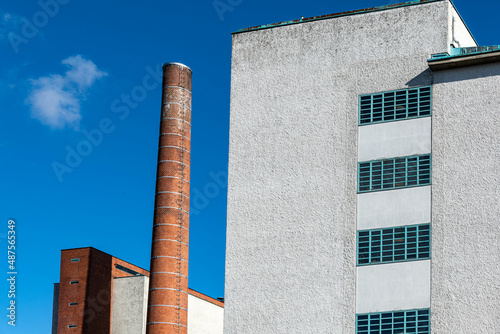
(168, 285)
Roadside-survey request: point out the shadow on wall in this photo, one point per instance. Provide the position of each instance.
(423, 79)
(467, 73)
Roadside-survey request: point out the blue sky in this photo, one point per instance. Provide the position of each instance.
(89, 69)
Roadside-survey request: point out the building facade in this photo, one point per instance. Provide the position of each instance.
(99, 293)
(363, 193)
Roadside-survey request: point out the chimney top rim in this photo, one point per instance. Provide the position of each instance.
(178, 64)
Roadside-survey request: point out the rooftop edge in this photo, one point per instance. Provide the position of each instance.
(460, 57)
(329, 16)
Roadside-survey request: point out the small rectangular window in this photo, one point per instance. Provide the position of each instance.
(73, 304)
(394, 173)
(74, 282)
(72, 326)
(412, 321)
(75, 259)
(394, 244)
(394, 105)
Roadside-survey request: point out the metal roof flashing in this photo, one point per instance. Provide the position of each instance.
(329, 16)
(460, 57)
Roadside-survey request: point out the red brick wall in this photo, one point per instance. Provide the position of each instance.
(72, 293)
(168, 294)
(97, 317)
(93, 293)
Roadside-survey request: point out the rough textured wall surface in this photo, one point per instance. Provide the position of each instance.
(465, 190)
(291, 229)
(130, 298)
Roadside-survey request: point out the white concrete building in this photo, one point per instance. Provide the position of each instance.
(363, 184)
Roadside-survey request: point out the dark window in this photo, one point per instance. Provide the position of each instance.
(394, 173)
(399, 322)
(394, 105)
(395, 244)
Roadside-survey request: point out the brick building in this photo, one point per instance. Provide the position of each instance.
(100, 294)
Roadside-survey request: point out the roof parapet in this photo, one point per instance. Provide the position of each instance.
(457, 52)
(329, 16)
(460, 57)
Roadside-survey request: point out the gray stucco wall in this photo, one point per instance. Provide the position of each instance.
(130, 299)
(465, 191)
(291, 230)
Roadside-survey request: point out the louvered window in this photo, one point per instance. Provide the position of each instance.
(399, 322)
(405, 243)
(394, 173)
(394, 105)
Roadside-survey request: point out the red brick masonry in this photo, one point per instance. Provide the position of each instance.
(168, 284)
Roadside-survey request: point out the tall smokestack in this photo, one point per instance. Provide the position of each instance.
(168, 285)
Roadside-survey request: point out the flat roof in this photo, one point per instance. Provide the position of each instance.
(329, 16)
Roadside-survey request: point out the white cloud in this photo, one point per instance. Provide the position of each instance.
(55, 100)
(82, 72)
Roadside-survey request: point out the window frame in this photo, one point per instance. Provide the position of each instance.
(415, 175)
(421, 107)
(423, 236)
(419, 327)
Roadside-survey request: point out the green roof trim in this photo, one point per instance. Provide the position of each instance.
(463, 52)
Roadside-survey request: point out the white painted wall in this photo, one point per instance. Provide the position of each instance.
(204, 317)
(394, 139)
(460, 36)
(398, 207)
(393, 286)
